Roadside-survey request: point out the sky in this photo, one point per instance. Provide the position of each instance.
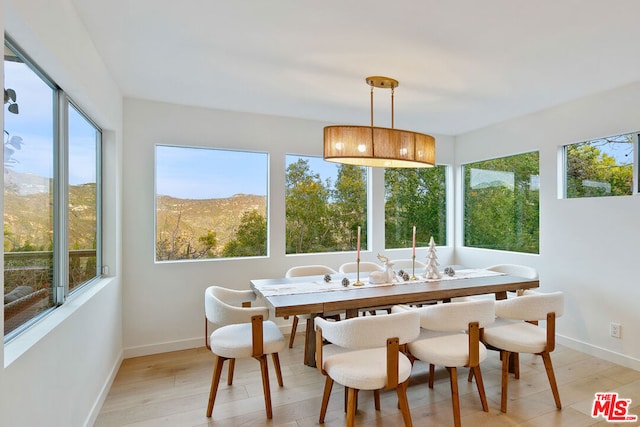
(34, 124)
(206, 173)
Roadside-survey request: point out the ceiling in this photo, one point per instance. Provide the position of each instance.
(461, 64)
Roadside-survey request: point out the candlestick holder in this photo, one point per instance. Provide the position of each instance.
(413, 268)
(358, 282)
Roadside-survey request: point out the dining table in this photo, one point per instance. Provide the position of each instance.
(316, 295)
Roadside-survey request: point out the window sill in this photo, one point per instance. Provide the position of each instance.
(22, 343)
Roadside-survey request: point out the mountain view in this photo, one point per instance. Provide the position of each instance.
(186, 222)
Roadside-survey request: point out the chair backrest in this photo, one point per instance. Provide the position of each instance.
(515, 270)
(365, 266)
(451, 317)
(400, 264)
(371, 331)
(531, 306)
(219, 308)
(309, 270)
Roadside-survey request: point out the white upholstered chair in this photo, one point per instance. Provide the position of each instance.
(364, 354)
(515, 270)
(522, 335)
(406, 264)
(300, 271)
(451, 337)
(365, 267)
(240, 332)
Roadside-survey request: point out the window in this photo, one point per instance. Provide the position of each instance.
(415, 197)
(600, 167)
(325, 204)
(501, 200)
(51, 194)
(210, 203)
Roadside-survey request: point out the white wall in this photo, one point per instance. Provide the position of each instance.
(588, 247)
(56, 373)
(163, 303)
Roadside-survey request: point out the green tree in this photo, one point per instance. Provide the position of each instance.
(415, 197)
(590, 172)
(349, 207)
(307, 212)
(503, 214)
(250, 237)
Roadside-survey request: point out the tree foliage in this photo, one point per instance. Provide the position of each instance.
(502, 214)
(322, 217)
(591, 172)
(250, 237)
(415, 197)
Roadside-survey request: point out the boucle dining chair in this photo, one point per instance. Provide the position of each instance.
(365, 354)
(241, 332)
(451, 337)
(523, 335)
(300, 271)
(406, 264)
(365, 267)
(515, 270)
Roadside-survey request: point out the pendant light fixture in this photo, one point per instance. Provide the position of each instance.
(377, 146)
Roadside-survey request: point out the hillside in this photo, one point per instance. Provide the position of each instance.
(197, 217)
(28, 214)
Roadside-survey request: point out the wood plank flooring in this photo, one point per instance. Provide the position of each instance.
(171, 389)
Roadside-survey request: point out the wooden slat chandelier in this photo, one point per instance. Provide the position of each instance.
(377, 146)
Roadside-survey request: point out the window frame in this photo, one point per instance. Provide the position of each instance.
(155, 203)
(563, 179)
(463, 202)
(61, 101)
(448, 219)
(366, 226)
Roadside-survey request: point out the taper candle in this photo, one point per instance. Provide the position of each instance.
(413, 242)
(358, 242)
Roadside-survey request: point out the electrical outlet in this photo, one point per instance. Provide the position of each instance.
(614, 329)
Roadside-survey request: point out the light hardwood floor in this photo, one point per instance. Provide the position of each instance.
(172, 389)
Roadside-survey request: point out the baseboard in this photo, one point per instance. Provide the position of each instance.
(165, 347)
(602, 353)
(104, 392)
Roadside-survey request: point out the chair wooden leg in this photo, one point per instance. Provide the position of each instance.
(505, 380)
(480, 385)
(276, 365)
(328, 385)
(432, 370)
(217, 373)
(294, 327)
(403, 402)
(376, 399)
(546, 357)
(232, 367)
(470, 376)
(351, 406)
(515, 362)
(264, 368)
(455, 397)
(346, 398)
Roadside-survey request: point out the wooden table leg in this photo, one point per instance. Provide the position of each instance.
(310, 342)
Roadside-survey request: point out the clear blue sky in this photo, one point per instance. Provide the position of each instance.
(204, 173)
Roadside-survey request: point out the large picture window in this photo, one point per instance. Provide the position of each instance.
(600, 167)
(51, 194)
(325, 204)
(210, 203)
(415, 197)
(501, 203)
